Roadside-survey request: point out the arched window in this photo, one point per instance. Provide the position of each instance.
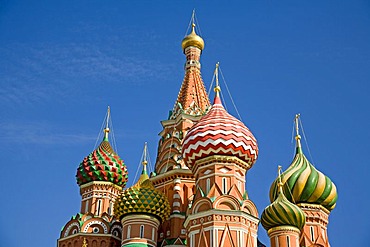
(128, 232)
(142, 231)
(208, 185)
(224, 185)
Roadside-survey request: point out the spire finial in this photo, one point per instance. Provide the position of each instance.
(280, 184)
(106, 130)
(297, 137)
(145, 161)
(217, 88)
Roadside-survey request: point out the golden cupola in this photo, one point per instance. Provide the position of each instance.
(192, 40)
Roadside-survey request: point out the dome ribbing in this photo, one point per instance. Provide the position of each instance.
(303, 183)
(281, 212)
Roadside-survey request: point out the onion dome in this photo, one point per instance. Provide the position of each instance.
(103, 164)
(282, 212)
(219, 133)
(192, 40)
(304, 183)
(142, 198)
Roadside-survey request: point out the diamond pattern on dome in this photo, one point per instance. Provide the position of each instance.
(142, 198)
(103, 164)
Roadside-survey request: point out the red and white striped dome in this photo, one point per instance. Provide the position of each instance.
(219, 133)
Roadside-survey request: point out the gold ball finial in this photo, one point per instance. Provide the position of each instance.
(193, 40)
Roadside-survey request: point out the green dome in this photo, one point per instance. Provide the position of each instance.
(103, 164)
(282, 213)
(303, 183)
(142, 198)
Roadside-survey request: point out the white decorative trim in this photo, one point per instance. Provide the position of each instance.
(105, 228)
(66, 233)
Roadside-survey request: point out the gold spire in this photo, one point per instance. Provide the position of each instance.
(106, 130)
(297, 137)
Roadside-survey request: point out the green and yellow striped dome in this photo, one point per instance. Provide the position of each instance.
(142, 198)
(303, 183)
(282, 213)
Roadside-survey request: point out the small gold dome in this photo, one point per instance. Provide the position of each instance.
(193, 40)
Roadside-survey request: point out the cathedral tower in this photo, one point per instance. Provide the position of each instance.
(101, 177)
(219, 150)
(312, 191)
(171, 175)
(141, 208)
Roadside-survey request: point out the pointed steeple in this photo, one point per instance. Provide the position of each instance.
(192, 98)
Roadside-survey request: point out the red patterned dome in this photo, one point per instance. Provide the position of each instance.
(219, 133)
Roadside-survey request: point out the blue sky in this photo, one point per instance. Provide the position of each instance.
(62, 63)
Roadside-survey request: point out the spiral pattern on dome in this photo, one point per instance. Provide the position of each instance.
(282, 213)
(103, 164)
(142, 198)
(303, 183)
(219, 133)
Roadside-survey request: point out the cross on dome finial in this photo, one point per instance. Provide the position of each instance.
(217, 89)
(106, 130)
(297, 137)
(145, 161)
(280, 184)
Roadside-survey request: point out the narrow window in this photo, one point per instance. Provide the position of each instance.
(110, 209)
(276, 242)
(98, 207)
(86, 206)
(224, 185)
(153, 232)
(208, 185)
(128, 232)
(312, 234)
(287, 241)
(142, 231)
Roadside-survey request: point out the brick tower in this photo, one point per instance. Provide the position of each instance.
(101, 177)
(219, 150)
(141, 208)
(312, 191)
(171, 175)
